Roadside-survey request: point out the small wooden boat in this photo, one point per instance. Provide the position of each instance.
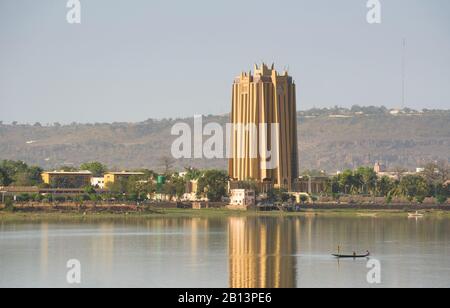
(415, 215)
(353, 256)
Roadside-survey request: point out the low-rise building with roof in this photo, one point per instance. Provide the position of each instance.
(113, 177)
(64, 179)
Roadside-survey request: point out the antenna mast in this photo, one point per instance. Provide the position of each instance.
(404, 73)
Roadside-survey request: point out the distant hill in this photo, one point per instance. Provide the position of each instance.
(329, 139)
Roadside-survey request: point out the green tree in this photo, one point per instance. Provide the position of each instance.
(38, 197)
(303, 199)
(175, 187)
(138, 188)
(9, 169)
(30, 177)
(385, 186)
(180, 186)
(333, 186)
(413, 186)
(193, 174)
(18, 173)
(169, 189)
(389, 198)
(436, 174)
(97, 169)
(367, 179)
(23, 198)
(9, 204)
(279, 195)
(441, 199)
(347, 182)
(420, 199)
(4, 180)
(89, 190)
(95, 198)
(213, 184)
(151, 187)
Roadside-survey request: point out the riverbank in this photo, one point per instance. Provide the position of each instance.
(6, 216)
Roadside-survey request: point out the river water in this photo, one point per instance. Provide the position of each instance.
(238, 252)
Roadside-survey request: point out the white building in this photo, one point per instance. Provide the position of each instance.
(98, 182)
(242, 198)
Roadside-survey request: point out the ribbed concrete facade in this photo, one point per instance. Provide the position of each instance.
(264, 98)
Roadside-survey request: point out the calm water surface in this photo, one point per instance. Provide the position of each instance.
(226, 252)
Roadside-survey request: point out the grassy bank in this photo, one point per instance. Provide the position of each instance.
(6, 216)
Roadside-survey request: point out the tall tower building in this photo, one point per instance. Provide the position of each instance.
(266, 97)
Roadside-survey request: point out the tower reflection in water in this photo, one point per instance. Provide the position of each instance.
(262, 253)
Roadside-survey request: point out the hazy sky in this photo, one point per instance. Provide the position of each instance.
(139, 59)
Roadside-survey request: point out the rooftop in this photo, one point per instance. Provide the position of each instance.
(125, 173)
(83, 172)
(261, 73)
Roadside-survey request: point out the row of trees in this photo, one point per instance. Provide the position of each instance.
(364, 181)
(212, 184)
(18, 173)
